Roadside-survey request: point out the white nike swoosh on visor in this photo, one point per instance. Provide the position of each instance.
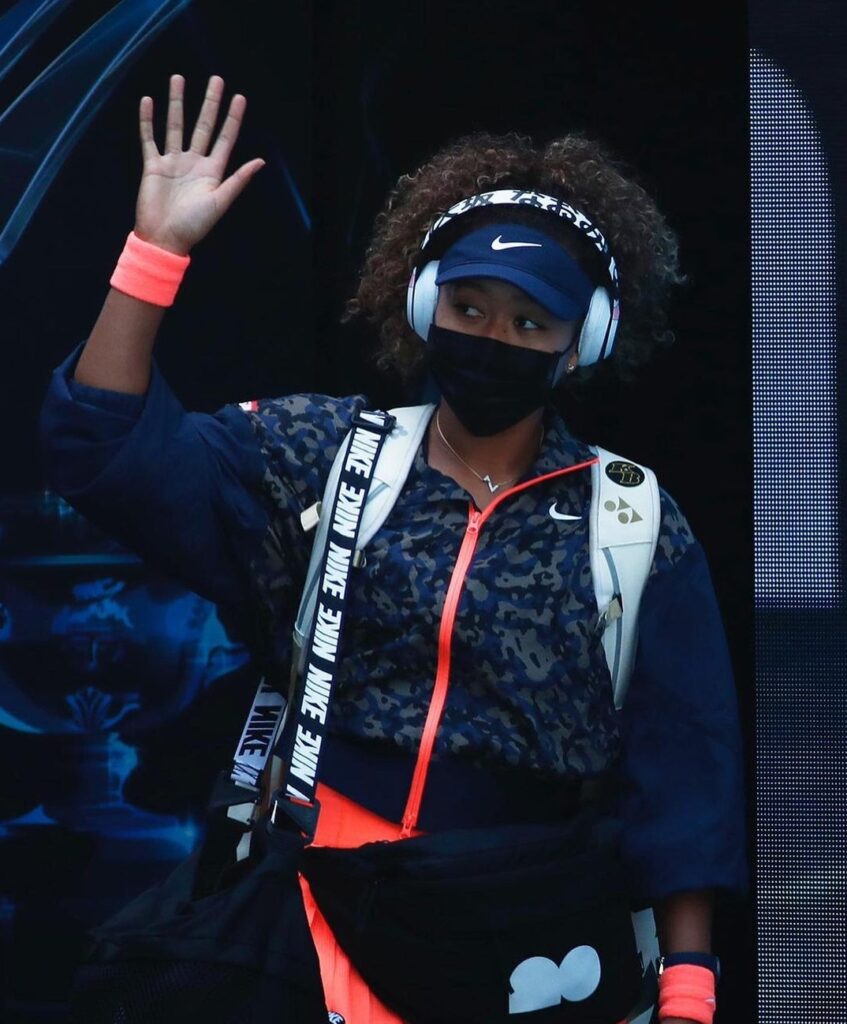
(497, 244)
(561, 515)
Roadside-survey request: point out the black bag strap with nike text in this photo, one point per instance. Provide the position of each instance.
(307, 721)
(294, 731)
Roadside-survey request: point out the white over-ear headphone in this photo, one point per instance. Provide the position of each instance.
(597, 337)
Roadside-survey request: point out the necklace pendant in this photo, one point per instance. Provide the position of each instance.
(491, 486)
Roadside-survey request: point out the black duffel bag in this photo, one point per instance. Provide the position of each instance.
(219, 941)
(484, 925)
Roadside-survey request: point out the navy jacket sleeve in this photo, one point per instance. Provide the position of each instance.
(181, 489)
(683, 795)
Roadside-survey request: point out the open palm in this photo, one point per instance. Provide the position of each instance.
(183, 193)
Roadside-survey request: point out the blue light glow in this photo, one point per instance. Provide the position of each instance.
(44, 123)
(795, 447)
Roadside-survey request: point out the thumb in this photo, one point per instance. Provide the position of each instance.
(232, 186)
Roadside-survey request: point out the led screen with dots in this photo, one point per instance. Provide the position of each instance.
(801, 658)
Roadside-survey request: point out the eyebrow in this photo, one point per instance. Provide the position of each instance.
(481, 285)
(475, 284)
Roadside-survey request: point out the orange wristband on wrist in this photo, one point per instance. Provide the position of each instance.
(687, 991)
(149, 272)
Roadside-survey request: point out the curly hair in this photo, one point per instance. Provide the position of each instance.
(574, 168)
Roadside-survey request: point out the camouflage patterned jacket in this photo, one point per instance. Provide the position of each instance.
(215, 501)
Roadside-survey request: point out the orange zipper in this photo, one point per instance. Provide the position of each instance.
(445, 635)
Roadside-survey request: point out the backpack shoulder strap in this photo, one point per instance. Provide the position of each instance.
(392, 468)
(623, 532)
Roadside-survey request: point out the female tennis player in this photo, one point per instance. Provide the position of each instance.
(502, 274)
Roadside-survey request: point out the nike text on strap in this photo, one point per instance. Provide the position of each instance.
(395, 460)
(307, 724)
(259, 735)
(240, 792)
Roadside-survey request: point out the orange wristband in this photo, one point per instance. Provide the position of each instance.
(149, 272)
(687, 991)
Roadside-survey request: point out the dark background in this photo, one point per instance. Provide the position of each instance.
(342, 98)
(801, 699)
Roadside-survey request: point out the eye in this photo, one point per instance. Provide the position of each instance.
(534, 324)
(463, 307)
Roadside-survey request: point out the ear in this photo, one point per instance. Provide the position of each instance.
(561, 365)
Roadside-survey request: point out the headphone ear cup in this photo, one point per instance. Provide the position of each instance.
(422, 298)
(597, 337)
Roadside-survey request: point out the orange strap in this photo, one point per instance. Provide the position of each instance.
(343, 823)
(687, 991)
(149, 272)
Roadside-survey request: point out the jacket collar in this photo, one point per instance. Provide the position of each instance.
(559, 448)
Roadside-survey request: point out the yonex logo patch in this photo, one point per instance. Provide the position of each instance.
(626, 513)
(625, 473)
(336, 1018)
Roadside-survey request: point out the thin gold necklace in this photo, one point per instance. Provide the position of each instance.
(487, 478)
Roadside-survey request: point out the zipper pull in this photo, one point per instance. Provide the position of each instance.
(474, 516)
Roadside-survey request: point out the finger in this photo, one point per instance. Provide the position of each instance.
(208, 116)
(145, 129)
(228, 133)
(174, 134)
(228, 190)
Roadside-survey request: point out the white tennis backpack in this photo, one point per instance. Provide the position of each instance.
(623, 531)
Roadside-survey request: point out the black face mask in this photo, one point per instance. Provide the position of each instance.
(488, 384)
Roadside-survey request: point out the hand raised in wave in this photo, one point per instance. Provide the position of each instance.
(183, 193)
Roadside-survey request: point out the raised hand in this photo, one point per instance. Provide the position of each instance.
(183, 192)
